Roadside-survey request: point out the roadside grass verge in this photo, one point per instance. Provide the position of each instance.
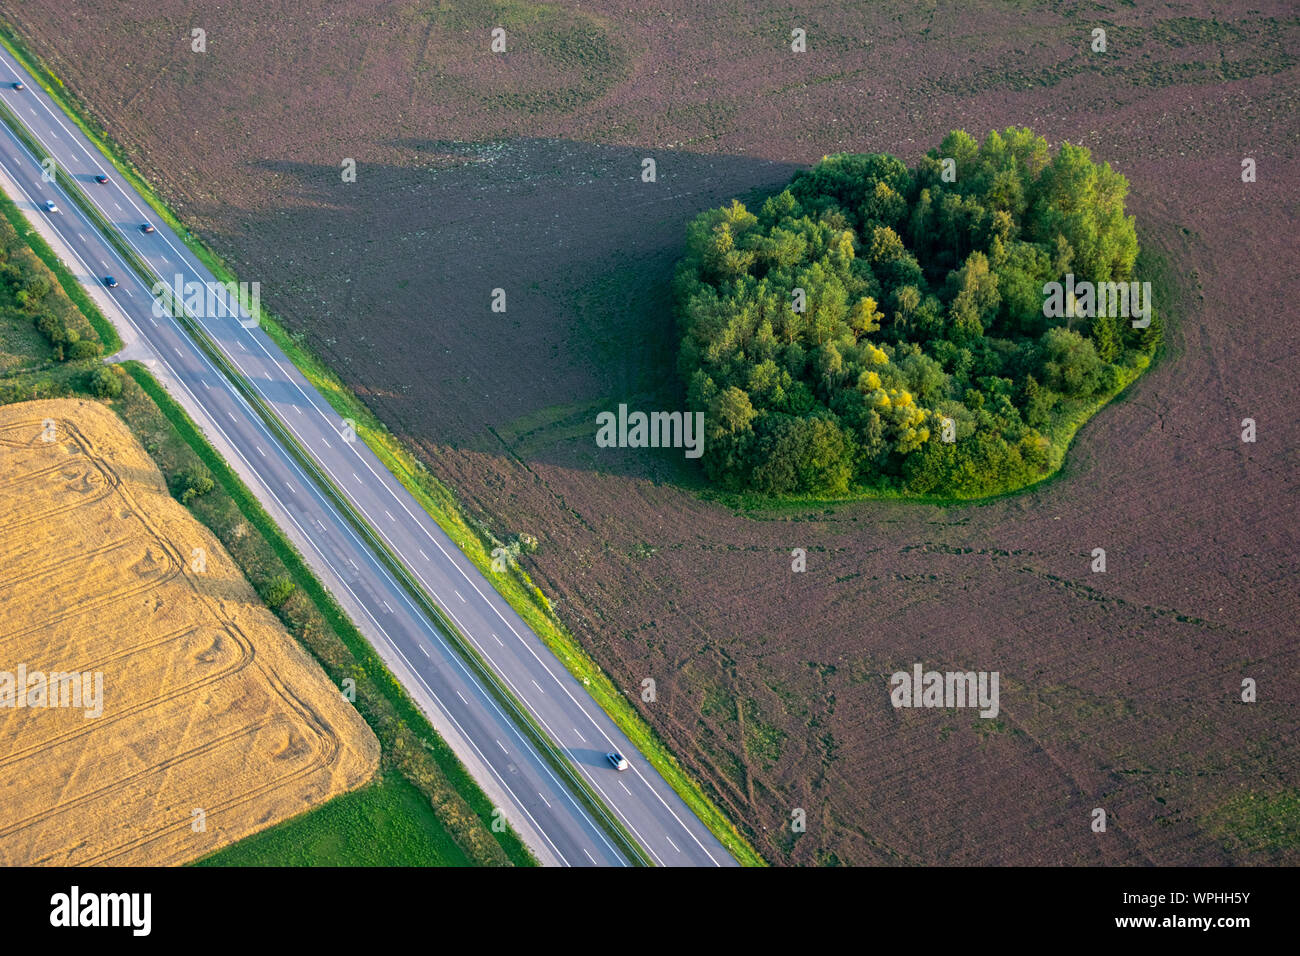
(433, 496)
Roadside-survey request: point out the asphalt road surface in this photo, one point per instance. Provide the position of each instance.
(537, 801)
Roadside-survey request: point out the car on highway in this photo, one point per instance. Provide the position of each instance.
(146, 228)
(18, 85)
(50, 207)
(110, 282)
(101, 179)
(617, 760)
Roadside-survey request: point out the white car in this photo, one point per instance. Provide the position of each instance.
(50, 207)
(617, 760)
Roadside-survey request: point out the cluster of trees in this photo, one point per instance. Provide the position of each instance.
(191, 483)
(106, 381)
(30, 293)
(834, 335)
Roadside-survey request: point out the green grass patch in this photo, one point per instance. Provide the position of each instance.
(386, 823)
(1256, 823)
(31, 294)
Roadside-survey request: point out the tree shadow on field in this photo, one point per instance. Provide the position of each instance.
(391, 280)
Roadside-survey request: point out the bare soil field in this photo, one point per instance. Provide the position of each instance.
(1120, 690)
(206, 703)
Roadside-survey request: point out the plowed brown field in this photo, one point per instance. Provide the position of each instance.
(207, 703)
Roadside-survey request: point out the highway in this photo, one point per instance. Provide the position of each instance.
(538, 802)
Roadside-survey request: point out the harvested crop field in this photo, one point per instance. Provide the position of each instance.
(199, 700)
(1120, 690)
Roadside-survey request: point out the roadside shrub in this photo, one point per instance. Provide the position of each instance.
(193, 483)
(277, 591)
(84, 349)
(106, 381)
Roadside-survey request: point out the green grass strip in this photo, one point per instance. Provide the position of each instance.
(379, 825)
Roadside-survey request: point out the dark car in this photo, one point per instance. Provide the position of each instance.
(18, 85)
(617, 760)
(110, 282)
(146, 228)
(101, 179)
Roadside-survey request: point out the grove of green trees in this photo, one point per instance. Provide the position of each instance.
(877, 328)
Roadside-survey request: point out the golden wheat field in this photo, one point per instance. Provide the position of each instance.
(191, 719)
